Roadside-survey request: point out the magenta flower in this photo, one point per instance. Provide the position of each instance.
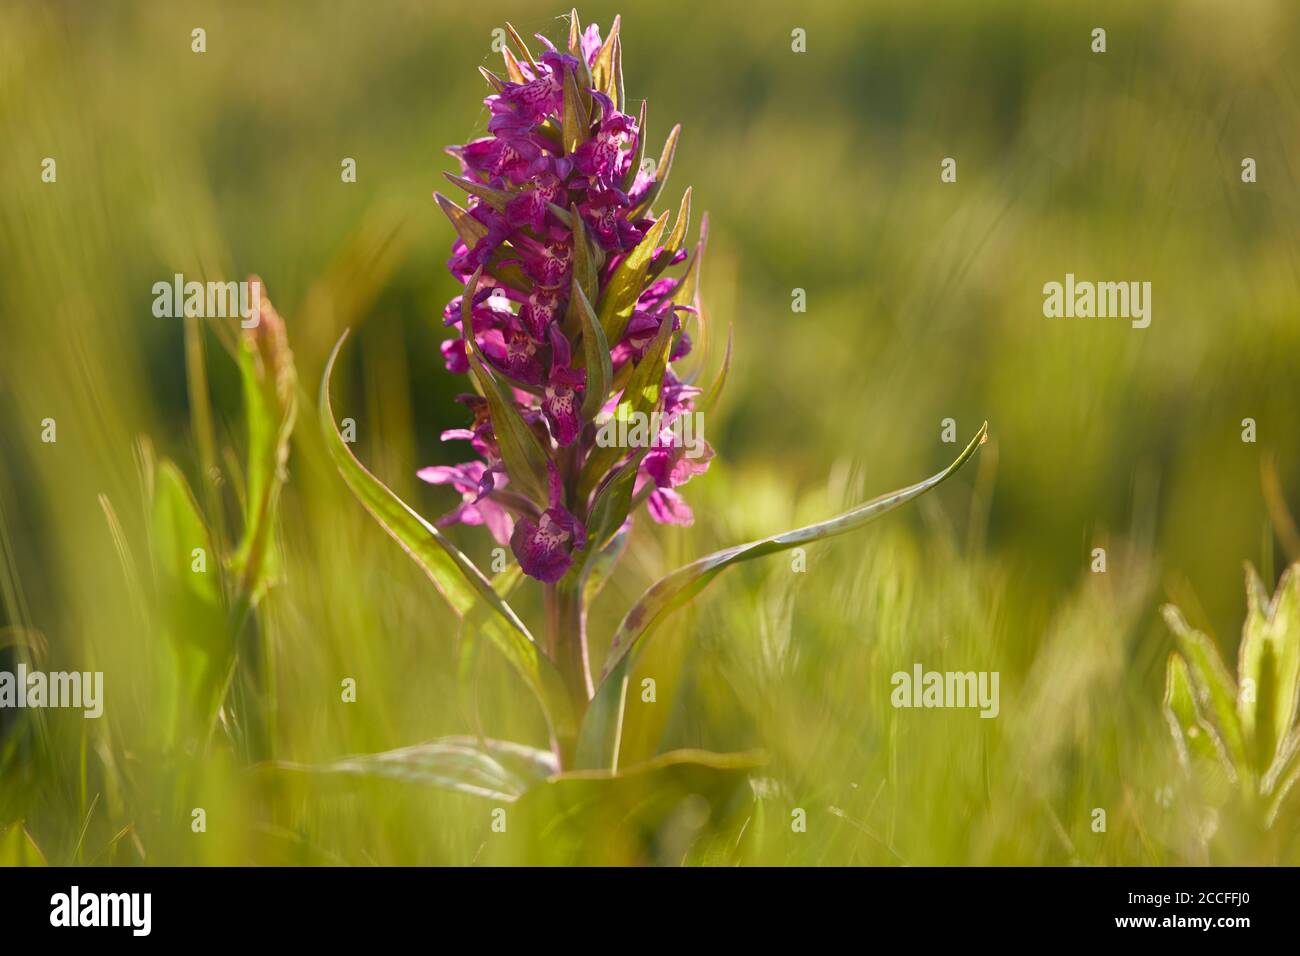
(475, 481)
(557, 200)
(545, 547)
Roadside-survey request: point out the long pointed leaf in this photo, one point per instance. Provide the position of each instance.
(661, 173)
(595, 351)
(602, 71)
(585, 267)
(1269, 656)
(602, 725)
(454, 576)
(497, 770)
(521, 449)
(498, 199)
(1216, 691)
(523, 48)
(714, 392)
(640, 397)
(1193, 735)
(639, 153)
(469, 228)
(612, 503)
(513, 70)
(627, 283)
(676, 237)
(575, 127)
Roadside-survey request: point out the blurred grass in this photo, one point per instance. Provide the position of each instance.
(820, 171)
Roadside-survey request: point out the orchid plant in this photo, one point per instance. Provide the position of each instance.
(580, 300)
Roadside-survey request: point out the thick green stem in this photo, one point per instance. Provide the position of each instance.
(566, 641)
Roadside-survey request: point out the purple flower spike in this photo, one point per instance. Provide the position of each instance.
(553, 203)
(545, 547)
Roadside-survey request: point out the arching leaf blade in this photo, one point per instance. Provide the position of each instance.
(601, 727)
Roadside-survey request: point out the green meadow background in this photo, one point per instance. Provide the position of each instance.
(819, 171)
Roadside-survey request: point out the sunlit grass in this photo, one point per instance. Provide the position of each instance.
(821, 173)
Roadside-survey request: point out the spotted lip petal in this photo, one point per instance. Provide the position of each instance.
(545, 547)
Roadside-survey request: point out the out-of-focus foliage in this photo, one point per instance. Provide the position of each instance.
(819, 171)
(1240, 732)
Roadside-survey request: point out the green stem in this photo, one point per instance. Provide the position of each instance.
(566, 641)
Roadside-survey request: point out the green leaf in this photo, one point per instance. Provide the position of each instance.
(576, 125)
(661, 174)
(602, 71)
(523, 47)
(469, 229)
(1215, 689)
(595, 353)
(192, 609)
(575, 34)
(585, 267)
(494, 769)
(498, 85)
(597, 568)
(687, 295)
(612, 503)
(454, 576)
(711, 395)
(675, 238)
(1280, 781)
(627, 283)
(472, 624)
(640, 397)
(496, 198)
(521, 449)
(1269, 656)
(587, 82)
(270, 386)
(618, 96)
(177, 529)
(1193, 735)
(639, 153)
(599, 736)
(513, 69)
(687, 289)
(661, 812)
